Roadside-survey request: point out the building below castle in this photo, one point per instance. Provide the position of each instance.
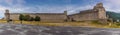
(97, 13)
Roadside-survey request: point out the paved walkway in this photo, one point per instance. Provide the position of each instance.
(12, 29)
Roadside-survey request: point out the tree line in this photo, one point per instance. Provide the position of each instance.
(28, 18)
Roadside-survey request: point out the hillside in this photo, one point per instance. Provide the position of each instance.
(113, 15)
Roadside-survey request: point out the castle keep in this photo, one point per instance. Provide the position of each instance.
(97, 13)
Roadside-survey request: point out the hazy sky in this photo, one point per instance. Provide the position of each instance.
(55, 6)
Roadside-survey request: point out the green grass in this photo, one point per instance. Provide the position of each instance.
(74, 24)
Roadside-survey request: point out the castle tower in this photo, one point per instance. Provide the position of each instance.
(65, 12)
(101, 12)
(7, 15)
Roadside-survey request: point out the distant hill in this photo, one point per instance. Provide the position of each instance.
(113, 15)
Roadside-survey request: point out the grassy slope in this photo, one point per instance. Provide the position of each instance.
(113, 15)
(73, 24)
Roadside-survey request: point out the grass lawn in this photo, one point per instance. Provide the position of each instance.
(73, 24)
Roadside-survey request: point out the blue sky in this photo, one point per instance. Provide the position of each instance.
(55, 6)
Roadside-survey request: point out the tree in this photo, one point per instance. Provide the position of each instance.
(27, 17)
(37, 18)
(31, 19)
(21, 17)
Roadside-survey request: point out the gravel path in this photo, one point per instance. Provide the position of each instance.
(13, 29)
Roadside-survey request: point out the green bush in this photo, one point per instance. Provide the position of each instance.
(96, 22)
(118, 24)
(28, 18)
(21, 17)
(37, 18)
(31, 18)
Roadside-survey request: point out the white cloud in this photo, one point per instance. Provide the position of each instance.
(14, 2)
(112, 5)
(77, 9)
(18, 7)
(114, 2)
(12, 5)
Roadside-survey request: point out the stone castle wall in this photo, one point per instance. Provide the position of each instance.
(97, 13)
(85, 16)
(45, 17)
(89, 16)
(14, 17)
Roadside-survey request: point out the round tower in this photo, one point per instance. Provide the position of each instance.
(99, 5)
(7, 15)
(65, 12)
(101, 12)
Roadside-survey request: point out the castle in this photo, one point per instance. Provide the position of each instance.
(97, 13)
(44, 17)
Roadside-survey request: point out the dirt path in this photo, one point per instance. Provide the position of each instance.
(13, 29)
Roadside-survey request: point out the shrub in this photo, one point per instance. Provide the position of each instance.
(96, 22)
(118, 24)
(31, 18)
(27, 17)
(37, 18)
(21, 17)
